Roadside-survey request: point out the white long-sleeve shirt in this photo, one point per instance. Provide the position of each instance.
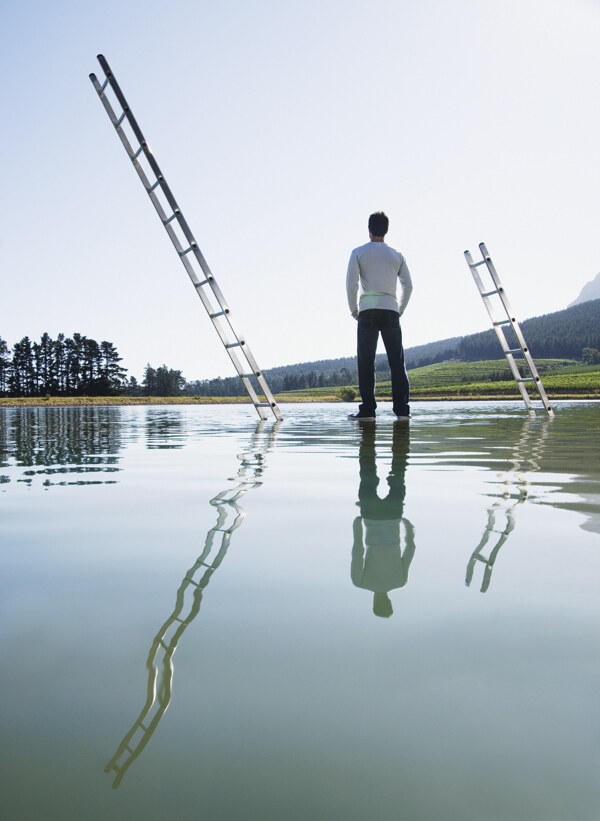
(377, 267)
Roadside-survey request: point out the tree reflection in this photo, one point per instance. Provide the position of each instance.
(164, 429)
(378, 562)
(55, 441)
(189, 598)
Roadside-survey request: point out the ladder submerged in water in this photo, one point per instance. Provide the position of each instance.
(495, 294)
(182, 238)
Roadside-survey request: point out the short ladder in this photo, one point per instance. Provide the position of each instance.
(182, 238)
(488, 294)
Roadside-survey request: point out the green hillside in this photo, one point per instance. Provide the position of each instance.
(561, 378)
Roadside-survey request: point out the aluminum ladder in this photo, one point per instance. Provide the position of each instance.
(488, 294)
(182, 238)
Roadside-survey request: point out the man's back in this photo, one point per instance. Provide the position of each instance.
(378, 267)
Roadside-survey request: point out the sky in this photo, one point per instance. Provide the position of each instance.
(280, 127)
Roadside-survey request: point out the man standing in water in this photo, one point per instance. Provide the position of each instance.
(378, 267)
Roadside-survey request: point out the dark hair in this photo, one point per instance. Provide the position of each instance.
(378, 224)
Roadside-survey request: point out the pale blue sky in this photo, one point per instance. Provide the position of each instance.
(280, 127)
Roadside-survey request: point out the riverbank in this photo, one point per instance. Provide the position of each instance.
(98, 401)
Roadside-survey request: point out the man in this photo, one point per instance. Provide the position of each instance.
(378, 267)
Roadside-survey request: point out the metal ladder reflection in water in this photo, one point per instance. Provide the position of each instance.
(189, 598)
(526, 456)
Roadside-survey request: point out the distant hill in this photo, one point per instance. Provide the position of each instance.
(563, 334)
(589, 291)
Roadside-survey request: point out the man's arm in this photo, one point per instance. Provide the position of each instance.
(352, 280)
(357, 566)
(406, 283)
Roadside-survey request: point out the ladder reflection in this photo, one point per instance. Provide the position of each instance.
(189, 598)
(525, 458)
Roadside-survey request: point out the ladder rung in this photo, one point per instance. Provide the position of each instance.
(187, 250)
(515, 350)
(525, 379)
(504, 322)
(477, 264)
(491, 293)
(122, 117)
(219, 313)
(137, 153)
(173, 216)
(156, 184)
(103, 86)
(263, 404)
(248, 375)
(235, 344)
(204, 282)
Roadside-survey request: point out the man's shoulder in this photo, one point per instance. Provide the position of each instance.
(361, 249)
(394, 251)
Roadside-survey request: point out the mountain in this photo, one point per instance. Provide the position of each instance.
(589, 291)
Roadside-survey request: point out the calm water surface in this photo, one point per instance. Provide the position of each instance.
(372, 621)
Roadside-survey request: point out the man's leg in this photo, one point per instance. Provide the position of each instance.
(366, 336)
(392, 339)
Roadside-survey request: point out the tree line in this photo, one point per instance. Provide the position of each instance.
(279, 382)
(65, 366)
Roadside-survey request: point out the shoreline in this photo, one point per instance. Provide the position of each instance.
(101, 401)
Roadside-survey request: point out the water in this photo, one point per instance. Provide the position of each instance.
(450, 670)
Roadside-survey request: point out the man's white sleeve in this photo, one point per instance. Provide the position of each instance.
(406, 283)
(352, 279)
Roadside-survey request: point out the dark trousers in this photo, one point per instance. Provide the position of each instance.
(371, 323)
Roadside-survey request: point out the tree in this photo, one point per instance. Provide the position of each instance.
(111, 375)
(590, 356)
(22, 379)
(162, 381)
(4, 366)
(45, 365)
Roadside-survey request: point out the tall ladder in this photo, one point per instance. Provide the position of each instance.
(182, 238)
(488, 294)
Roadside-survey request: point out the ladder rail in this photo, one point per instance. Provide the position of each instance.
(498, 326)
(219, 312)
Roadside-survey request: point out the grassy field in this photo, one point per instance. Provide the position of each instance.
(562, 378)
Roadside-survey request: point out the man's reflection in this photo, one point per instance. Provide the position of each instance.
(378, 562)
